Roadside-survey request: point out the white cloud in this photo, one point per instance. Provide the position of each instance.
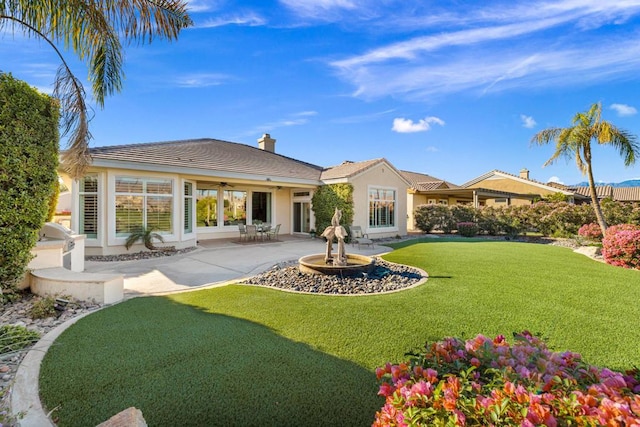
(432, 149)
(402, 125)
(528, 121)
(248, 19)
(555, 179)
(319, 9)
(507, 47)
(623, 109)
(199, 80)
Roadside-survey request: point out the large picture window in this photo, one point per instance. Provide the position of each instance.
(207, 208)
(235, 207)
(143, 202)
(88, 217)
(382, 204)
(261, 206)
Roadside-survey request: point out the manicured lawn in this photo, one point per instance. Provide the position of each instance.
(241, 355)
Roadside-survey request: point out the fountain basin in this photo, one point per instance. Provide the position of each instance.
(356, 265)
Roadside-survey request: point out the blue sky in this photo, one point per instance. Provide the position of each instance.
(453, 89)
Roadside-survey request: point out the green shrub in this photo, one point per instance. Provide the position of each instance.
(326, 199)
(467, 229)
(28, 161)
(14, 338)
(430, 217)
(43, 307)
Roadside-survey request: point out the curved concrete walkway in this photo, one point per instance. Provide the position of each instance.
(213, 263)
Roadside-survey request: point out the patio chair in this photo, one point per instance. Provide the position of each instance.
(273, 232)
(359, 238)
(243, 231)
(252, 232)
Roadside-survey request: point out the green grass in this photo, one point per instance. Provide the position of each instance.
(241, 355)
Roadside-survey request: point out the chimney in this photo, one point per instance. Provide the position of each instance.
(524, 173)
(267, 143)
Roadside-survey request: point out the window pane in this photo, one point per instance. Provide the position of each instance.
(261, 207)
(89, 184)
(128, 185)
(159, 214)
(188, 207)
(382, 208)
(159, 186)
(89, 215)
(207, 208)
(235, 207)
(129, 214)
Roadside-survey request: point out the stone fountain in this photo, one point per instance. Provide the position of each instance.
(340, 264)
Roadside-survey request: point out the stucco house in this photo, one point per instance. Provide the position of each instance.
(519, 189)
(427, 190)
(199, 189)
(379, 195)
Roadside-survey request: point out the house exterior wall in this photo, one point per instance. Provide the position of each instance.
(379, 176)
(107, 243)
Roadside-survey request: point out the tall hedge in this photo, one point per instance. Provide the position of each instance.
(326, 199)
(28, 170)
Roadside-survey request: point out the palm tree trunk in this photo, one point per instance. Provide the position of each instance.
(594, 199)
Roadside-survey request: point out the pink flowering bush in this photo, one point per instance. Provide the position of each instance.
(621, 246)
(591, 231)
(489, 382)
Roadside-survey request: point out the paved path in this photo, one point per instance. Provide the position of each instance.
(212, 263)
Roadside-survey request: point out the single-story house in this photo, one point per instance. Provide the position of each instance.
(519, 189)
(379, 195)
(199, 189)
(428, 190)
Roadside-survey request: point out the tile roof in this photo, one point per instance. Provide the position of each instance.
(424, 182)
(212, 155)
(549, 185)
(347, 169)
(603, 191)
(626, 194)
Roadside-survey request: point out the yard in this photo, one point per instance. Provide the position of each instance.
(241, 355)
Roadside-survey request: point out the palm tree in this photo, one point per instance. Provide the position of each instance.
(576, 141)
(92, 29)
(146, 235)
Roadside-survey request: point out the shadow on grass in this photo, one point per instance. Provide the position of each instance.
(183, 366)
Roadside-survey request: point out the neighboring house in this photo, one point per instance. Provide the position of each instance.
(202, 189)
(428, 190)
(379, 195)
(519, 189)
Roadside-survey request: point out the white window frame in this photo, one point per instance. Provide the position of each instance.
(75, 219)
(111, 209)
(384, 229)
(188, 235)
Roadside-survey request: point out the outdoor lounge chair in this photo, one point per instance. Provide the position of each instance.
(359, 238)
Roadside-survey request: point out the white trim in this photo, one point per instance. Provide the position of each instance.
(184, 235)
(102, 218)
(396, 202)
(112, 239)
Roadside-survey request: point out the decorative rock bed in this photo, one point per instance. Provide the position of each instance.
(17, 313)
(385, 277)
